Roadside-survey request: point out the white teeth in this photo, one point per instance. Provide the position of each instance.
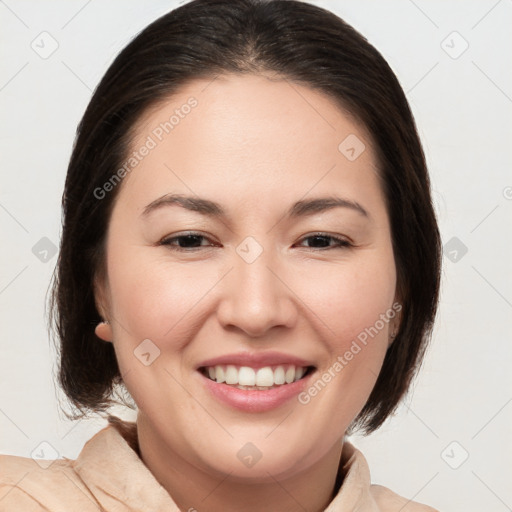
(265, 377)
(231, 374)
(220, 376)
(279, 376)
(290, 374)
(246, 377)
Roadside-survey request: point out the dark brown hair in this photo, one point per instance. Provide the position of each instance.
(202, 39)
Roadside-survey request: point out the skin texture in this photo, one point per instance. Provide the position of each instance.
(254, 145)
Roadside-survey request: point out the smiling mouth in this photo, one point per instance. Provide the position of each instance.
(256, 379)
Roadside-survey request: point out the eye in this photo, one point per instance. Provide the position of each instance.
(192, 241)
(187, 242)
(324, 241)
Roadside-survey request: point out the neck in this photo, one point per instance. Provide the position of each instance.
(195, 490)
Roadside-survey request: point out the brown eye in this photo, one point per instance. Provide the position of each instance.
(324, 241)
(187, 241)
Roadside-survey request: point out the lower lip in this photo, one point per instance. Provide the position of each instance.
(252, 400)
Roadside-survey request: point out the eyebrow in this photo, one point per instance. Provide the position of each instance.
(212, 209)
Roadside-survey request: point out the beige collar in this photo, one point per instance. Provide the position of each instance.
(130, 482)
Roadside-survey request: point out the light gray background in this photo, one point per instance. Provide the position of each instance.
(463, 108)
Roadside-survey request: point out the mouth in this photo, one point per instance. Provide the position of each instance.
(248, 378)
(255, 382)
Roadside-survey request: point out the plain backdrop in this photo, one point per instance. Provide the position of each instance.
(450, 444)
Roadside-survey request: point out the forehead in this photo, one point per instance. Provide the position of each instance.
(236, 134)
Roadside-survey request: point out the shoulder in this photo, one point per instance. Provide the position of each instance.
(358, 493)
(389, 501)
(30, 486)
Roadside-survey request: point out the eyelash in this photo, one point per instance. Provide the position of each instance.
(341, 243)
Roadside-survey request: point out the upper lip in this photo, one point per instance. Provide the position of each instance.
(256, 360)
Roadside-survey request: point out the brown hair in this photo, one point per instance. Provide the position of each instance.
(201, 39)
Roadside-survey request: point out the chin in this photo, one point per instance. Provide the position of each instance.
(263, 461)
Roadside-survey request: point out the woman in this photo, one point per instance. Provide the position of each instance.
(250, 251)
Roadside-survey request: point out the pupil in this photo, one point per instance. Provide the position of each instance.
(190, 241)
(323, 241)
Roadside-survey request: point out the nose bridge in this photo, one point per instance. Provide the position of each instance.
(254, 299)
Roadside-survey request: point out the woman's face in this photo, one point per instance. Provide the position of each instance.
(249, 242)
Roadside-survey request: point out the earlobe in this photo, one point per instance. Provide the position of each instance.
(104, 331)
(394, 327)
(396, 322)
(392, 336)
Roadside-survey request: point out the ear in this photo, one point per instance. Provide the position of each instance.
(103, 330)
(396, 321)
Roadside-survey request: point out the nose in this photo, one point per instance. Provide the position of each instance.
(256, 298)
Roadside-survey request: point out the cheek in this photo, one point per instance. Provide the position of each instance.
(355, 306)
(154, 300)
(351, 298)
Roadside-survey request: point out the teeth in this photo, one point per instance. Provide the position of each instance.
(231, 375)
(219, 376)
(279, 377)
(245, 377)
(265, 377)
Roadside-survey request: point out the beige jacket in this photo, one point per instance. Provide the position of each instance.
(108, 475)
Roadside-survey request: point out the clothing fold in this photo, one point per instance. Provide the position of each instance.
(109, 476)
